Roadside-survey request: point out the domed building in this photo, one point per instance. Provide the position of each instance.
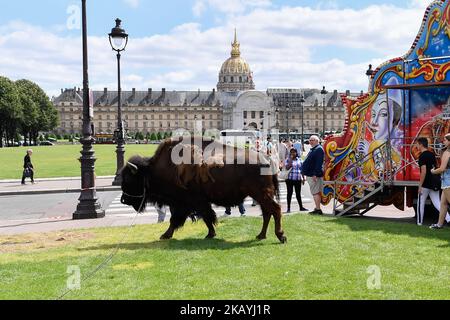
(234, 105)
(235, 74)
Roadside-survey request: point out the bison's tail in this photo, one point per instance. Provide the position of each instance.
(276, 184)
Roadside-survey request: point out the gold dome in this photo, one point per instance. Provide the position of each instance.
(235, 64)
(235, 74)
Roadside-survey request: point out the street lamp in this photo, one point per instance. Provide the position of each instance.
(323, 93)
(302, 101)
(88, 206)
(369, 74)
(119, 40)
(277, 113)
(288, 107)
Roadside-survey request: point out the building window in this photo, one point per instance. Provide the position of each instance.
(240, 79)
(245, 114)
(232, 79)
(253, 114)
(261, 114)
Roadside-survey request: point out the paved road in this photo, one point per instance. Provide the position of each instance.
(51, 212)
(118, 209)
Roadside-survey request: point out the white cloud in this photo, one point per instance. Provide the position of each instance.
(229, 6)
(419, 4)
(132, 3)
(281, 46)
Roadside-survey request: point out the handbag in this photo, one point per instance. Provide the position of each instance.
(284, 174)
(27, 172)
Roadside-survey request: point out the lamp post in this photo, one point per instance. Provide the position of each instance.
(302, 101)
(88, 206)
(119, 40)
(288, 108)
(323, 93)
(277, 113)
(369, 74)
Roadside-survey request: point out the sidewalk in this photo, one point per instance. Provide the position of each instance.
(55, 185)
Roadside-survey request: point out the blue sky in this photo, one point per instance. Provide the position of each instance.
(180, 44)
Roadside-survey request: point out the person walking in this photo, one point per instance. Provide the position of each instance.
(162, 212)
(299, 147)
(241, 210)
(295, 179)
(312, 168)
(283, 152)
(28, 169)
(444, 170)
(269, 146)
(429, 184)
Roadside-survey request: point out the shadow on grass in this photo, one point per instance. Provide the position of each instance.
(396, 227)
(185, 245)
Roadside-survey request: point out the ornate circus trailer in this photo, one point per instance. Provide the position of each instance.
(374, 162)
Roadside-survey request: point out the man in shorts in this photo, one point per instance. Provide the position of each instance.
(312, 169)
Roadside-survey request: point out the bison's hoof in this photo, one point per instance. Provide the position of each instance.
(261, 237)
(210, 236)
(165, 237)
(283, 239)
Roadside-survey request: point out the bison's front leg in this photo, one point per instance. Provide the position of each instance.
(177, 220)
(168, 234)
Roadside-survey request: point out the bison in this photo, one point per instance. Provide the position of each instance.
(224, 177)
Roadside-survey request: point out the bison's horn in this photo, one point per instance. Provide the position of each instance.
(134, 168)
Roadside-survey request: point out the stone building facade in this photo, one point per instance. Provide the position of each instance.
(234, 105)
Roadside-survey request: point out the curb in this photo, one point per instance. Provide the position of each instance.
(55, 191)
(56, 179)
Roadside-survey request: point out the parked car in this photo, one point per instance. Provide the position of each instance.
(46, 143)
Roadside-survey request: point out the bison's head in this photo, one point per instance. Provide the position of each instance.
(134, 183)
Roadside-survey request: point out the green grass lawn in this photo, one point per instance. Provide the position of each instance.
(62, 160)
(325, 258)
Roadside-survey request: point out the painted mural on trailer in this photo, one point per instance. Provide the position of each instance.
(399, 116)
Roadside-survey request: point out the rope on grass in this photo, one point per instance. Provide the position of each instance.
(112, 254)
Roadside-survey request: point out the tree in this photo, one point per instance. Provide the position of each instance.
(153, 137)
(159, 136)
(10, 109)
(43, 114)
(139, 136)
